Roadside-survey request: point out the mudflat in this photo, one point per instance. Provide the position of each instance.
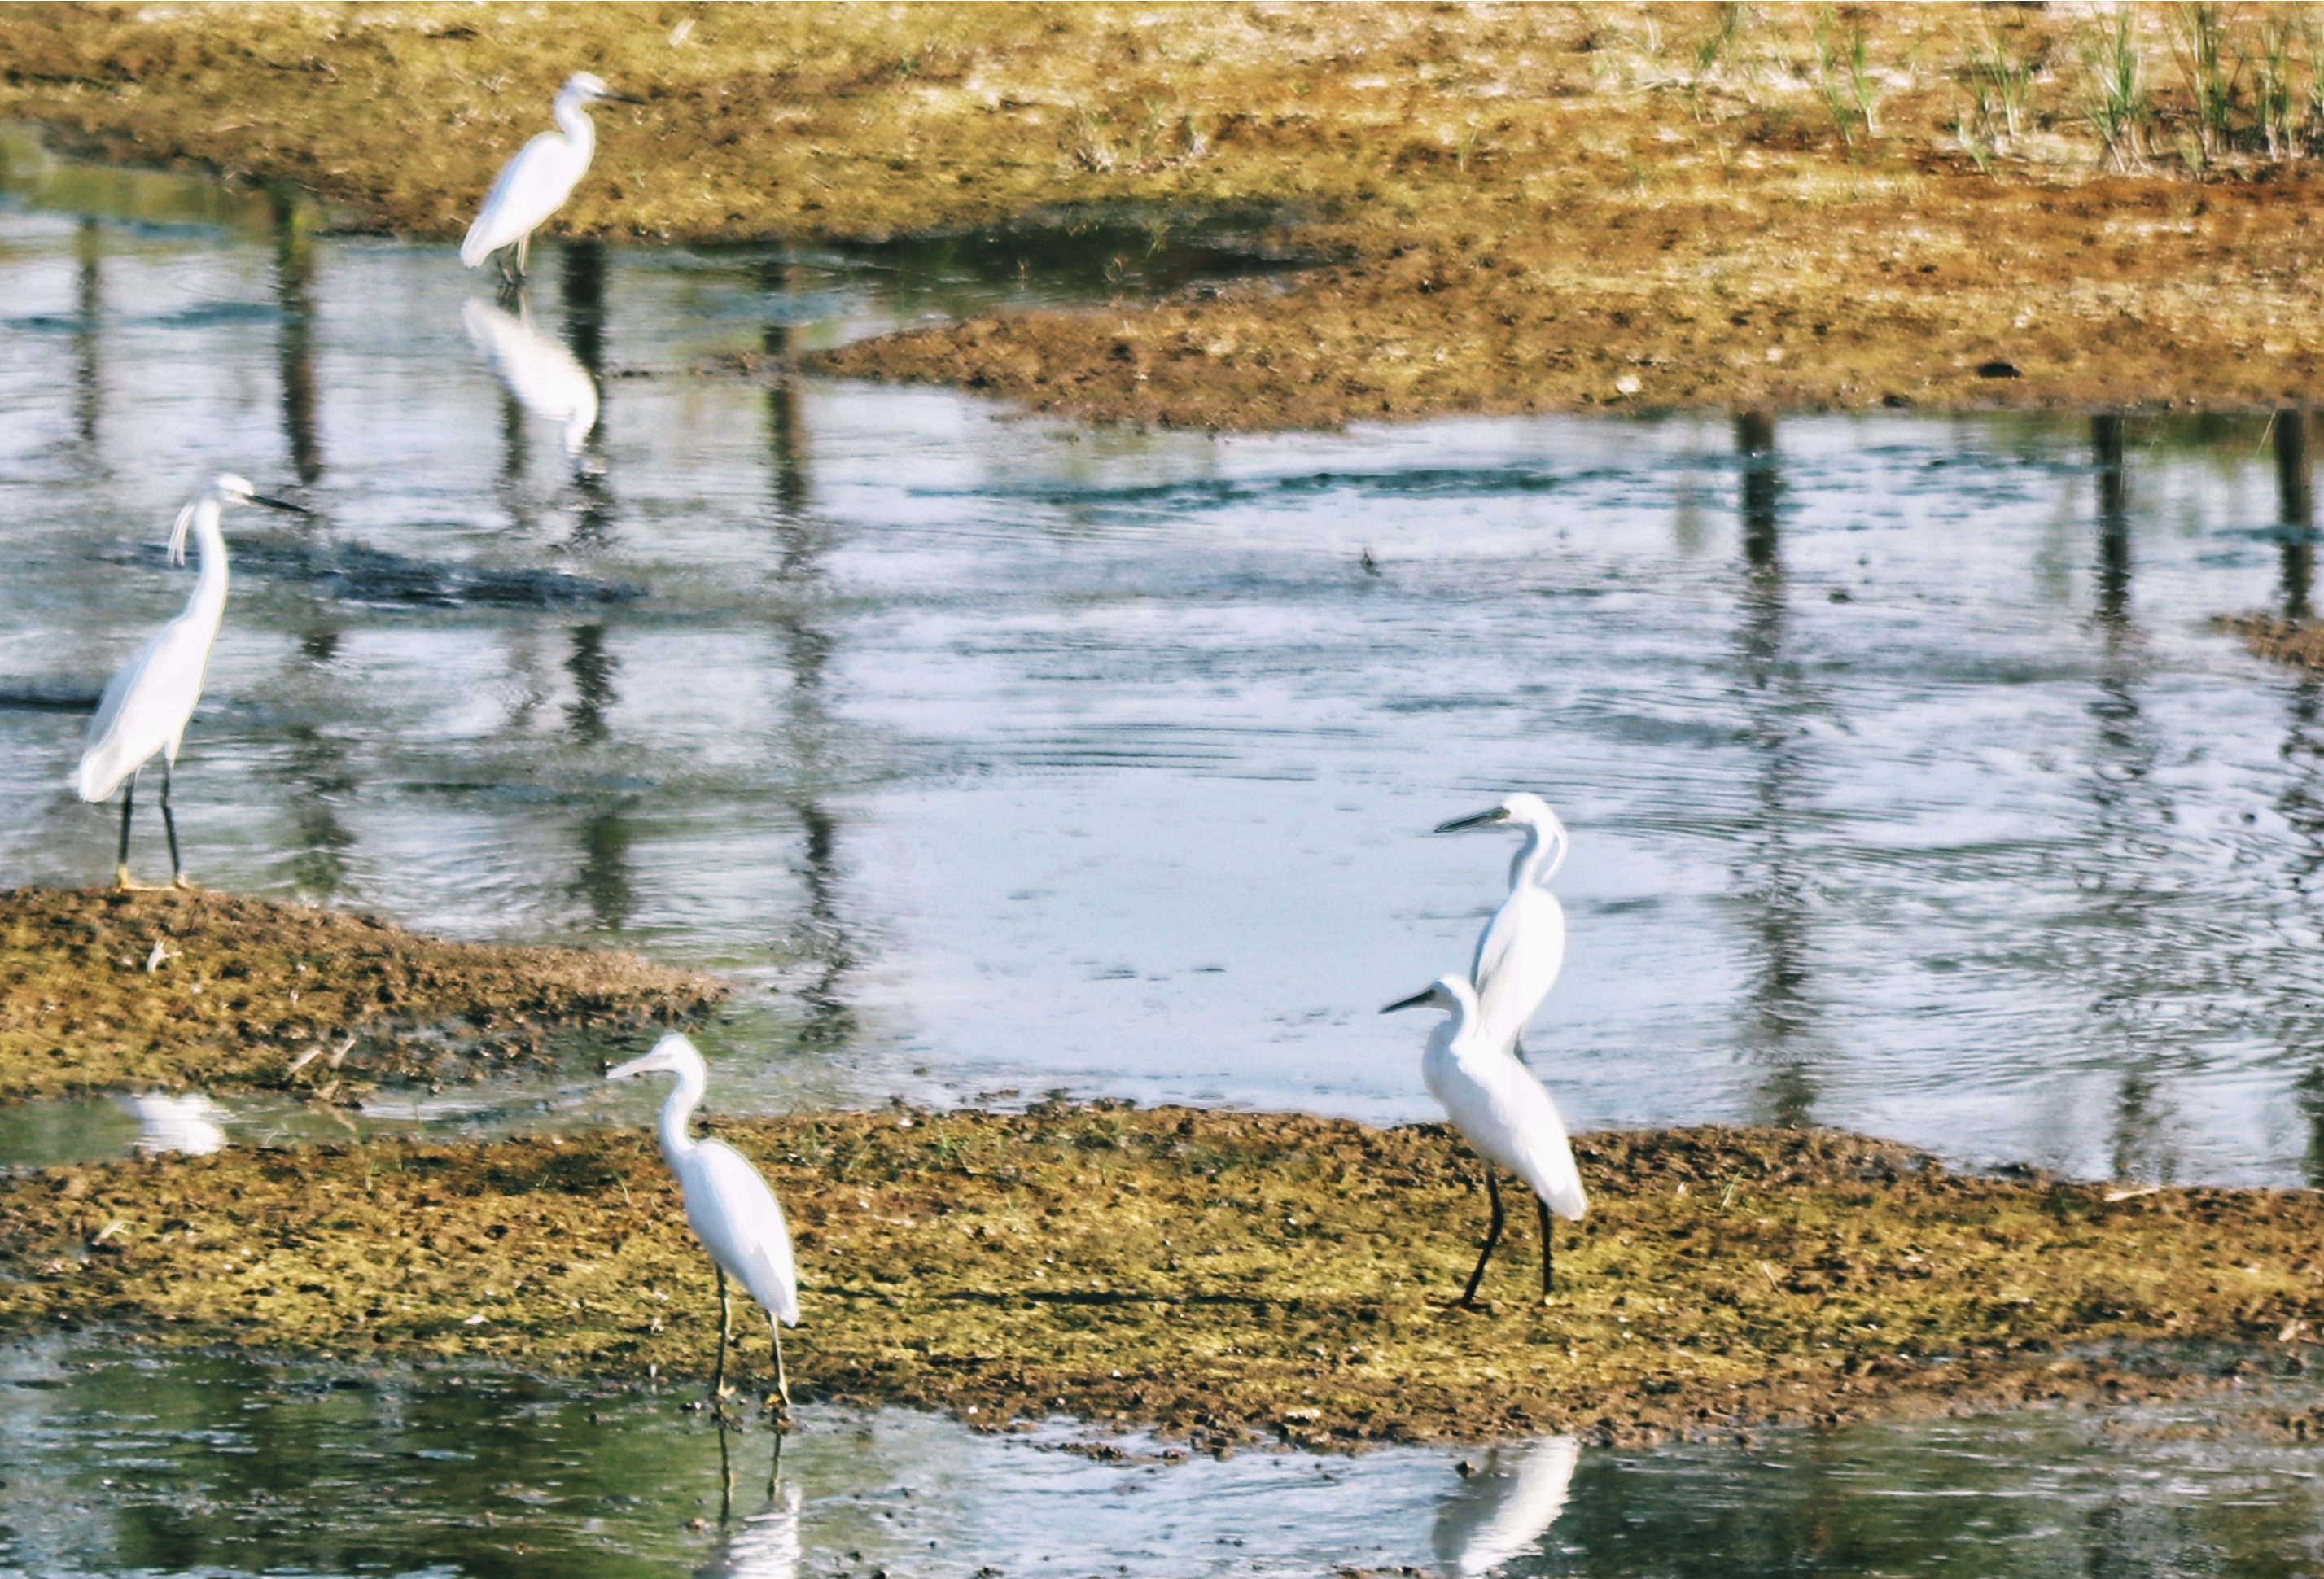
(1224, 1277)
(1507, 208)
(112, 990)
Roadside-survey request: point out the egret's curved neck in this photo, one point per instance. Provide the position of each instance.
(572, 112)
(678, 1113)
(209, 601)
(1539, 861)
(1464, 1008)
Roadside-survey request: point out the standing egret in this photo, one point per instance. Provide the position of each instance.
(1496, 1103)
(1523, 946)
(535, 184)
(732, 1212)
(147, 706)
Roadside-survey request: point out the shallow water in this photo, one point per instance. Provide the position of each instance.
(219, 1466)
(1910, 792)
(1909, 789)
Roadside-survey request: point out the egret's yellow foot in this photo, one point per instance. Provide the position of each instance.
(185, 882)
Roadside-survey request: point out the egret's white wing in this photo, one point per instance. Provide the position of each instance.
(1501, 1513)
(529, 187)
(1506, 1114)
(146, 706)
(545, 379)
(741, 1223)
(1518, 956)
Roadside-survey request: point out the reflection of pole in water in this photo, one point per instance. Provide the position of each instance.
(2295, 510)
(1776, 881)
(2130, 810)
(294, 290)
(88, 383)
(584, 337)
(319, 771)
(821, 941)
(593, 670)
(2113, 519)
(603, 881)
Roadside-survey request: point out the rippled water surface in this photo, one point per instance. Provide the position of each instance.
(1911, 790)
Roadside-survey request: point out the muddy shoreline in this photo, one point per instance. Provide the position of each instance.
(1545, 208)
(1223, 1278)
(118, 990)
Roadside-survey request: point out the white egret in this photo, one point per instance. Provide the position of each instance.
(1496, 1103)
(146, 707)
(546, 379)
(1523, 946)
(186, 1124)
(732, 1212)
(535, 184)
(1503, 1509)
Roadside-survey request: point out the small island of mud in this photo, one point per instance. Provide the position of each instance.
(110, 990)
(1222, 1276)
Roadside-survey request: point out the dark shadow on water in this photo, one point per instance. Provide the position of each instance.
(88, 313)
(1773, 881)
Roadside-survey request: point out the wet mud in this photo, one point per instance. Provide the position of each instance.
(110, 990)
(1229, 1278)
(1523, 207)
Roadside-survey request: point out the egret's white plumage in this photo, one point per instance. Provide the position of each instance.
(535, 184)
(1523, 947)
(146, 706)
(187, 1123)
(729, 1205)
(546, 379)
(1501, 1109)
(1503, 1510)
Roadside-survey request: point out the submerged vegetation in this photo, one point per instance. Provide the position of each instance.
(1221, 1276)
(108, 990)
(1522, 207)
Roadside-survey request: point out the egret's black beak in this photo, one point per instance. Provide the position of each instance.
(622, 97)
(279, 504)
(1499, 814)
(1415, 1002)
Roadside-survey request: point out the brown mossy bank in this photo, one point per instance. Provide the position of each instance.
(1214, 1274)
(1529, 208)
(108, 989)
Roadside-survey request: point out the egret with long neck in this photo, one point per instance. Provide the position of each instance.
(1503, 1112)
(1523, 947)
(145, 708)
(535, 184)
(728, 1204)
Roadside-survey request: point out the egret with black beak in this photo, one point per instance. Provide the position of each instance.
(729, 1205)
(1523, 947)
(1502, 1111)
(535, 184)
(146, 707)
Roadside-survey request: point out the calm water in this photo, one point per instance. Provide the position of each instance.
(1910, 792)
(221, 1467)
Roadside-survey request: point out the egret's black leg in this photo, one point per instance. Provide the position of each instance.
(725, 1336)
(775, 1470)
(1548, 1262)
(725, 1476)
(1492, 1238)
(170, 826)
(121, 861)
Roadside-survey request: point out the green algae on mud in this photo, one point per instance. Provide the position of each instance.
(111, 989)
(1215, 1275)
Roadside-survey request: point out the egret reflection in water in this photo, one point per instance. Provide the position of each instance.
(187, 1123)
(543, 376)
(1503, 1509)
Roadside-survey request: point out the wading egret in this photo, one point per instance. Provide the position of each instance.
(1523, 946)
(546, 378)
(732, 1212)
(1496, 1103)
(535, 184)
(146, 707)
